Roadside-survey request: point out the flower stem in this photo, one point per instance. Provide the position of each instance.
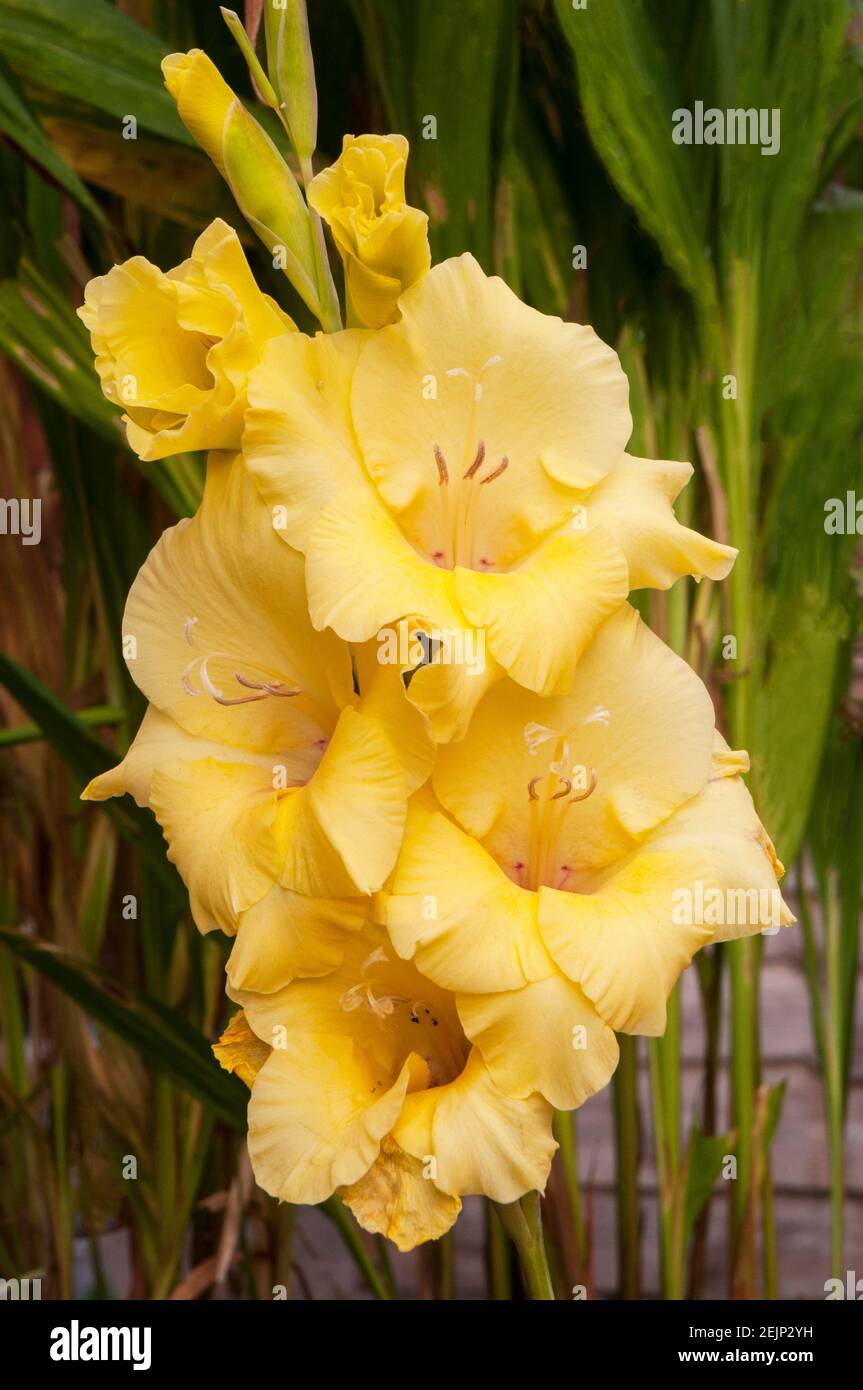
(523, 1224)
(626, 1128)
(498, 1256)
(331, 314)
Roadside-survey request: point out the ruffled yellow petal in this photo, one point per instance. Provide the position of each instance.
(732, 859)
(395, 1199)
(362, 574)
(175, 350)
(620, 942)
(540, 617)
(216, 806)
(367, 998)
(221, 600)
(481, 1141)
(707, 873)
(317, 1115)
(452, 910)
(239, 1050)
(636, 714)
(446, 693)
(341, 832)
(545, 1037)
(727, 762)
(159, 740)
(219, 262)
(286, 935)
(383, 697)
(468, 362)
(372, 295)
(382, 241)
(218, 820)
(633, 503)
(299, 440)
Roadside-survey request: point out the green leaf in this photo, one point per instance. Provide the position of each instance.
(169, 179)
(87, 758)
(628, 93)
(546, 228)
(41, 333)
(160, 1035)
(82, 751)
(90, 51)
(704, 1160)
(19, 122)
(771, 1113)
(806, 630)
(96, 717)
(458, 56)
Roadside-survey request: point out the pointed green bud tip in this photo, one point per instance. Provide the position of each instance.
(292, 72)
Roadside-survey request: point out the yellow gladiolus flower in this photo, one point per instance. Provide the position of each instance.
(465, 467)
(265, 190)
(383, 242)
(373, 1090)
(175, 349)
(583, 848)
(279, 789)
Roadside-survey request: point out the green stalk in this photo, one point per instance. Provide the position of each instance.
(64, 1217)
(285, 1221)
(625, 1087)
(665, 1091)
(96, 717)
(708, 963)
(826, 1025)
(497, 1256)
(331, 313)
(523, 1224)
(835, 1094)
(740, 469)
(564, 1133)
(338, 1213)
(770, 1259)
(386, 1267)
(446, 1266)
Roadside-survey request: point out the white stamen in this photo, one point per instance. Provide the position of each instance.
(351, 1000)
(535, 735)
(561, 767)
(598, 715)
(384, 1006)
(187, 630)
(207, 683)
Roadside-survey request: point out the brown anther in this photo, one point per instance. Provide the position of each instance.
(477, 463)
(531, 793)
(501, 468)
(240, 699)
(268, 687)
(591, 789)
(567, 788)
(443, 471)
